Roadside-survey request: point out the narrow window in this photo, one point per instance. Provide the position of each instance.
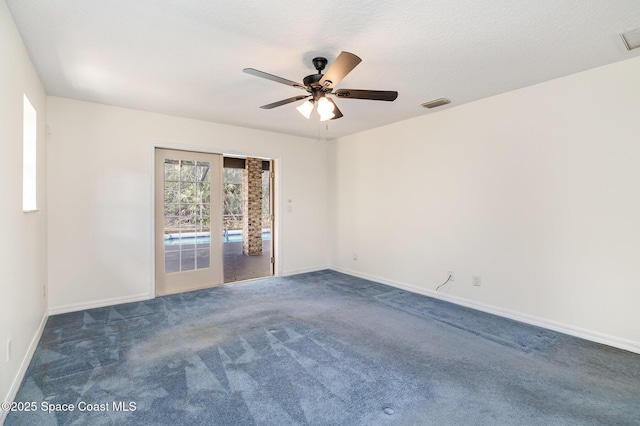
(29, 157)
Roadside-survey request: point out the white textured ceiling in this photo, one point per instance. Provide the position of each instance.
(185, 58)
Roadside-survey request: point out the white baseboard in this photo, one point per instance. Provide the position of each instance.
(304, 271)
(593, 336)
(74, 307)
(17, 381)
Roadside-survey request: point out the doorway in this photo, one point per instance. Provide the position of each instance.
(248, 219)
(188, 220)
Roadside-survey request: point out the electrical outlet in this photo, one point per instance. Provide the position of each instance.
(8, 350)
(452, 275)
(355, 256)
(476, 280)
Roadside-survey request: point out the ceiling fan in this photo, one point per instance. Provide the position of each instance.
(320, 85)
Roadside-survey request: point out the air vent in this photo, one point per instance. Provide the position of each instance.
(436, 103)
(631, 39)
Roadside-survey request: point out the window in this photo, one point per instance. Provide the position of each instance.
(29, 157)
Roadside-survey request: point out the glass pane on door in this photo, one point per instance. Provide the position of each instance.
(187, 213)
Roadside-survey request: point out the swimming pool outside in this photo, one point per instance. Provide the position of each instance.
(234, 236)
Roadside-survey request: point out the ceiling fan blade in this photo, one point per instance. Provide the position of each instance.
(343, 65)
(373, 95)
(284, 102)
(336, 110)
(275, 78)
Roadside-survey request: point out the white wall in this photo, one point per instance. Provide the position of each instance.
(100, 183)
(536, 190)
(23, 235)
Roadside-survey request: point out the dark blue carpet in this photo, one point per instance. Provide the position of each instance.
(321, 349)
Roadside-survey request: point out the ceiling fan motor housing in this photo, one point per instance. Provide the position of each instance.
(315, 88)
(312, 80)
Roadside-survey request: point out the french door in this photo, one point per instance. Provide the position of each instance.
(188, 220)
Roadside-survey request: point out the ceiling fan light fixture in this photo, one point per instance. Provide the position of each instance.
(325, 107)
(327, 116)
(306, 108)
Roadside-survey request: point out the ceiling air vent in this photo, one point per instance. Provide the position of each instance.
(436, 103)
(631, 39)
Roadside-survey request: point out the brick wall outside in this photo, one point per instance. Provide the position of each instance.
(252, 211)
